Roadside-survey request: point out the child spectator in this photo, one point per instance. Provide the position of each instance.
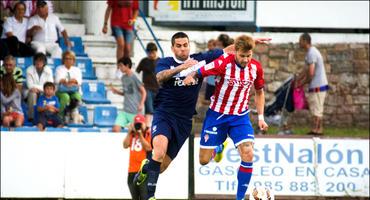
(11, 110)
(134, 93)
(48, 108)
(138, 140)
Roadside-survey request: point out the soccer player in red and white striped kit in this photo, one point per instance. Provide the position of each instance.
(228, 112)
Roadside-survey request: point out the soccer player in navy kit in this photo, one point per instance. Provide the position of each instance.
(228, 112)
(174, 107)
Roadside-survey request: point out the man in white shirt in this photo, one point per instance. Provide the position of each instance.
(14, 34)
(43, 28)
(37, 75)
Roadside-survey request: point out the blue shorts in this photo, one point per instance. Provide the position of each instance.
(128, 35)
(149, 101)
(218, 126)
(175, 129)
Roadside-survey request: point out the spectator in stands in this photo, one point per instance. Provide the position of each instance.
(37, 75)
(147, 66)
(31, 6)
(48, 108)
(210, 80)
(138, 140)
(122, 15)
(10, 68)
(224, 40)
(313, 74)
(43, 28)
(134, 93)
(11, 110)
(68, 79)
(14, 34)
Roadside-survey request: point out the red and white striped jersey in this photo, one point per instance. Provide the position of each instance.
(233, 83)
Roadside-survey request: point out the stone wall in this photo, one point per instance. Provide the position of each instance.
(347, 67)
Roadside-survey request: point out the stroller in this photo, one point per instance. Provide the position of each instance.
(277, 110)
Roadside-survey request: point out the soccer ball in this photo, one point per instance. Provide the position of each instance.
(261, 193)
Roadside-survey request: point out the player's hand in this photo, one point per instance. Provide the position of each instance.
(189, 63)
(189, 80)
(262, 40)
(262, 125)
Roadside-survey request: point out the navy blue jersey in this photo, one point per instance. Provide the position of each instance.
(173, 96)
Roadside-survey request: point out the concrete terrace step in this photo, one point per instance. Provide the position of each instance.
(75, 29)
(69, 18)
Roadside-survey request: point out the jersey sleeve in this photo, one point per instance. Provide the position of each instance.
(259, 82)
(209, 56)
(162, 64)
(135, 5)
(216, 67)
(57, 104)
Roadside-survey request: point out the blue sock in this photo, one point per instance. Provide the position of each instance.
(219, 148)
(152, 171)
(244, 177)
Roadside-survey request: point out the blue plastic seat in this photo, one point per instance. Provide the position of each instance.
(24, 62)
(26, 129)
(92, 130)
(4, 128)
(77, 46)
(87, 70)
(94, 93)
(105, 116)
(52, 129)
(83, 111)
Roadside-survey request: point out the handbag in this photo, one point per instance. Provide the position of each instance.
(63, 88)
(299, 99)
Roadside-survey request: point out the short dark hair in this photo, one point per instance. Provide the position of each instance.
(306, 37)
(225, 40)
(40, 56)
(41, 3)
(126, 61)
(17, 4)
(178, 35)
(49, 84)
(151, 47)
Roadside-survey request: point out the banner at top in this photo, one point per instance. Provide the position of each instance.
(203, 12)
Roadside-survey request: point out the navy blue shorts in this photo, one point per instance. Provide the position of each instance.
(175, 129)
(218, 126)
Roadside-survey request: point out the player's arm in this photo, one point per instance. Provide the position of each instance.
(213, 68)
(165, 75)
(260, 105)
(231, 48)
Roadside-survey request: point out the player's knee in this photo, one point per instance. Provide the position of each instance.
(204, 159)
(246, 152)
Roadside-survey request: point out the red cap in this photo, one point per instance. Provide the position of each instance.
(139, 118)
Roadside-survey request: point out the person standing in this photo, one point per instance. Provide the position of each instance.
(228, 112)
(123, 14)
(147, 66)
(313, 74)
(133, 92)
(138, 139)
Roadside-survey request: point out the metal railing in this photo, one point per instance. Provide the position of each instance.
(142, 15)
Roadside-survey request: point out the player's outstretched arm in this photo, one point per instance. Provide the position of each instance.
(191, 78)
(165, 75)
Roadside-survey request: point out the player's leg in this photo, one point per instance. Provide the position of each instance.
(166, 162)
(160, 143)
(128, 38)
(241, 132)
(246, 168)
(214, 133)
